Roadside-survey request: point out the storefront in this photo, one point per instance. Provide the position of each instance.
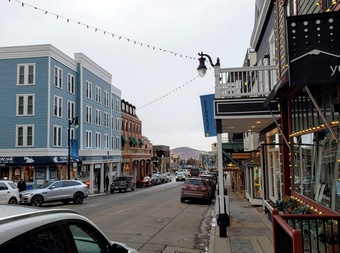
(253, 185)
(35, 170)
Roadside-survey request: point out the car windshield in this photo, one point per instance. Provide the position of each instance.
(45, 185)
(194, 182)
(13, 185)
(180, 173)
(120, 179)
(146, 178)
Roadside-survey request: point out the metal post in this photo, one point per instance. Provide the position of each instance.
(222, 215)
(69, 150)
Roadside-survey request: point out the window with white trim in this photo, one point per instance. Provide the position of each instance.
(98, 94)
(117, 105)
(70, 110)
(25, 104)
(117, 142)
(70, 83)
(24, 135)
(106, 98)
(112, 122)
(26, 74)
(88, 90)
(98, 137)
(98, 112)
(106, 141)
(58, 77)
(106, 119)
(58, 106)
(57, 134)
(89, 114)
(117, 124)
(112, 103)
(88, 139)
(272, 59)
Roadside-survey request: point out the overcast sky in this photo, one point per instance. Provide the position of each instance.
(161, 79)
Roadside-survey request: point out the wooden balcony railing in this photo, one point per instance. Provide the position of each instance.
(245, 81)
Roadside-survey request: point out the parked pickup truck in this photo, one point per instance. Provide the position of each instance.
(122, 184)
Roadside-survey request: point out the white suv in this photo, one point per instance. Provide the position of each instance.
(9, 192)
(27, 229)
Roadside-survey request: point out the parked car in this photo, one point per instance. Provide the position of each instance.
(54, 191)
(181, 176)
(164, 178)
(155, 179)
(52, 230)
(194, 172)
(169, 176)
(196, 188)
(9, 192)
(144, 182)
(212, 182)
(123, 184)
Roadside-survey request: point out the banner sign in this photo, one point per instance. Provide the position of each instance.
(207, 105)
(314, 48)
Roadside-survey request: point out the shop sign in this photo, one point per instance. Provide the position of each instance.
(314, 48)
(240, 155)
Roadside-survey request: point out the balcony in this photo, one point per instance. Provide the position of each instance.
(239, 98)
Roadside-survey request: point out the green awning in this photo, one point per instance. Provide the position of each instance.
(133, 141)
(141, 142)
(124, 140)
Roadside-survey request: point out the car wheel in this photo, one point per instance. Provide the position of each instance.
(132, 189)
(65, 202)
(78, 198)
(37, 200)
(125, 190)
(111, 191)
(12, 201)
(182, 200)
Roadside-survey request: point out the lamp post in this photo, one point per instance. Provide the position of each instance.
(75, 122)
(223, 218)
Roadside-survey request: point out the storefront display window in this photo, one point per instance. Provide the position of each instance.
(16, 174)
(257, 182)
(29, 174)
(316, 168)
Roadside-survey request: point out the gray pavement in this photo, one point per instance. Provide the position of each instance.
(250, 231)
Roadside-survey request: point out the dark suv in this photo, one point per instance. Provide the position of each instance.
(123, 184)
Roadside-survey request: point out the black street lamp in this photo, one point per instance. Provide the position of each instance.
(223, 218)
(75, 122)
(202, 69)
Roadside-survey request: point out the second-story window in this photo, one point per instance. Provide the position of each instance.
(58, 106)
(58, 77)
(98, 91)
(57, 134)
(88, 139)
(117, 142)
(117, 105)
(25, 136)
(70, 83)
(98, 136)
(106, 141)
(26, 74)
(25, 105)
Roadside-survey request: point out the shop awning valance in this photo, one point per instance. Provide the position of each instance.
(36, 160)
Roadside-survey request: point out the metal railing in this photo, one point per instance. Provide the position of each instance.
(245, 81)
(313, 233)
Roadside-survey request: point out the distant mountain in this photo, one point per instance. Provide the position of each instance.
(186, 153)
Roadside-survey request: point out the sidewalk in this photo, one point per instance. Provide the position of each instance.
(250, 231)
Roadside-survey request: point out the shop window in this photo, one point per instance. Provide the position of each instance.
(16, 174)
(257, 182)
(29, 174)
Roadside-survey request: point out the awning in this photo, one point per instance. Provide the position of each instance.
(133, 141)
(124, 140)
(141, 142)
(37, 160)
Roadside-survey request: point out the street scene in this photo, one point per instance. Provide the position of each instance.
(170, 126)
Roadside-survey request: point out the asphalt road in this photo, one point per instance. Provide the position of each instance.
(150, 219)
